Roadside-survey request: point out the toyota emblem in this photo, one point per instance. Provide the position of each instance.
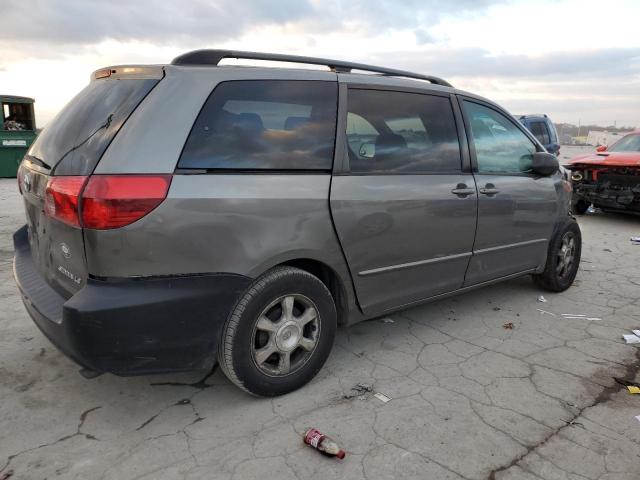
(66, 251)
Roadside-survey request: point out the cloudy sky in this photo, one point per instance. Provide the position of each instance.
(575, 60)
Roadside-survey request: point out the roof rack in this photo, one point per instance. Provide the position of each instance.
(213, 57)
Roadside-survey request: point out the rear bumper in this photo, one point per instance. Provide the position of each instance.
(131, 326)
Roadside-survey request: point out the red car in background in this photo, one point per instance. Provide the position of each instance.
(609, 178)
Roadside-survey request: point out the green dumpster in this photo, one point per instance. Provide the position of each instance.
(17, 132)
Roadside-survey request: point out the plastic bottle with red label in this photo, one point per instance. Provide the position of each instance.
(322, 443)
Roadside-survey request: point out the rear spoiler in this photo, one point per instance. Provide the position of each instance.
(137, 72)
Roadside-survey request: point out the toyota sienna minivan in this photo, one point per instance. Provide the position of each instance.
(186, 214)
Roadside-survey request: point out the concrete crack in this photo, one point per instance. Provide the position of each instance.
(604, 396)
(83, 418)
(200, 384)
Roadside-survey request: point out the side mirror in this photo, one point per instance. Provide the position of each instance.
(367, 150)
(544, 164)
(601, 148)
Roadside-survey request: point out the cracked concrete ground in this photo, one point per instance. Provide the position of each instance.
(470, 398)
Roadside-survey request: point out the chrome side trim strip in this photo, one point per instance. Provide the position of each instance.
(401, 266)
(511, 245)
(453, 292)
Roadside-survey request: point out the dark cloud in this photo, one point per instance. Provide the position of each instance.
(44, 29)
(596, 85)
(81, 22)
(602, 79)
(160, 21)
(476, 62)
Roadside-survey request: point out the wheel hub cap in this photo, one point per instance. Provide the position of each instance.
(288, 337)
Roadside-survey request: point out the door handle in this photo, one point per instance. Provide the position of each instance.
(463, 191)
(489, 189)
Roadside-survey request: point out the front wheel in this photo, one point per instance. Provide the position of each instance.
(280, 333)
(563, 259)
(580, 207)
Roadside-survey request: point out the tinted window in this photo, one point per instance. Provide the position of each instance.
(539, 130)
(399, 132)
(553, 134)
(630, 143)
(501, 147)
(78, 136)
(256, 125)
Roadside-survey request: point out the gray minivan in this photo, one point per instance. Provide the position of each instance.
(194, 213)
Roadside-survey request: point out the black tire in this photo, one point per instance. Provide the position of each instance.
(238, 352)
(580, 207)
(557, 277)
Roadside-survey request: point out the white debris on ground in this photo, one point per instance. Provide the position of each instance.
(631, 338)
(382, 397)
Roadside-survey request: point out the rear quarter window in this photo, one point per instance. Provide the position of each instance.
(264, 125)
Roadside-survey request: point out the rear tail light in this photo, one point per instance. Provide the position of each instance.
(113, 201)
(104, 201)
(62, 198)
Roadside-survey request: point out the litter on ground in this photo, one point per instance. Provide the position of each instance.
(631, 338)
(542, 299)
(633, 389)
(315, 439)
(508, 326)
(579, 316)
(382, 397)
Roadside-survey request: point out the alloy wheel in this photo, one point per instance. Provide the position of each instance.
(566, 255)
(285, 335)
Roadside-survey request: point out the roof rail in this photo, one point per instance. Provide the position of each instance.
(213, 57)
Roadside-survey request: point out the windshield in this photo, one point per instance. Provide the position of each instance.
(630, 143)
(76, 138)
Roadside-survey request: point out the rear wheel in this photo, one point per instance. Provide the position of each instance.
(279, 334)
(563, 259)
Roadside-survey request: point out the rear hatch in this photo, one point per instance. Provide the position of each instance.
(59, 162)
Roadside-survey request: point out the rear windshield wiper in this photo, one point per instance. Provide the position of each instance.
(37, 161)
(104, 126)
